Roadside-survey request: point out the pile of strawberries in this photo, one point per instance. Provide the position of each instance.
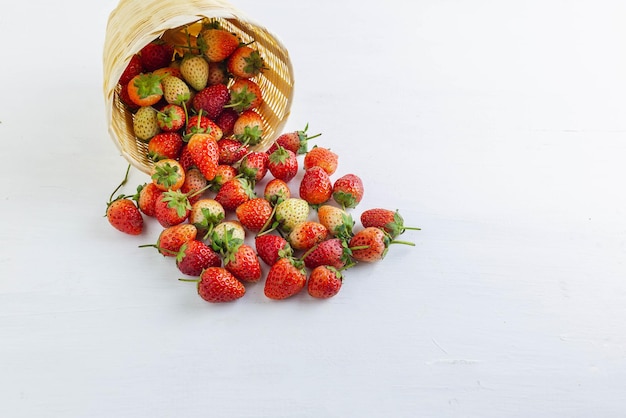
(212, 191)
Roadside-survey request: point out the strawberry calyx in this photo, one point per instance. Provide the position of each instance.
(251, 135)
(254, 63)
(148, 84)
(304, 139)
(241, 100)
(397, 227)
(279, 156)
(166, 174)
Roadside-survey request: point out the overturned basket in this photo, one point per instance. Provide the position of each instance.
(135, 23)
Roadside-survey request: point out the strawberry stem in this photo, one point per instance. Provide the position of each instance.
(412, 244)
(121, 184)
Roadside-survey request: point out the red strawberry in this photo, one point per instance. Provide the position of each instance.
(165, 145)
(331, 252)
(316, 187)
(217, 44)
(194, 256)
(338, 222)
(172, 238)
(156, 55)
(254, 166)
(306, 235)
(145, 89)
(254, 213)
(296, 142)
(132, 69)
(283, 164)
(167, 174)
(204, 153)
(146, 198)
(245, 94)
(226, 121)
(125, 99)
(201, 124)
(243, 263)
(348, 190)
(234, 192)
(248, 128)
(218, 73)
(224, 173)
(231, 151)
(324, 282)
(321, 157)
(211, 100)
(171, 118)
(374, 242)
(194, 182)
(172, 208)
(271, 247)
(390, 221)
(124, 216)
(286, 278)
(185, 159)
(245, 62)
(216, 284)
(276, 191)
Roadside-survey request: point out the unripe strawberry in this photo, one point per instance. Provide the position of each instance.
(175, 90)
(195, 71)
(145, 124)
(291, 212)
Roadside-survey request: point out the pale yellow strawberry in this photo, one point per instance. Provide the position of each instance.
(195, 71)
(175, 90)
(291, 212)
(145, 124)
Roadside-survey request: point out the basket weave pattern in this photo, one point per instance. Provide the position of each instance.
(134, 24)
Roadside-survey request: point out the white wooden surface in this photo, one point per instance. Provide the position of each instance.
(497, 127)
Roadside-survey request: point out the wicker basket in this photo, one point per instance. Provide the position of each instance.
(135, 23)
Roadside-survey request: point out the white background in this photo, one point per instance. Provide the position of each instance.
(498, 127)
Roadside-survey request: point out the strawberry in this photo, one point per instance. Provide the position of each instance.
(306, 235)
(167, 174)
(123, 215)
(133, 68)
(194, 256)
(234, 192)
(283, 164)
(254, 166)
(172, 70)
(226, 121)
(348, 190)
(291, 212)
(175, 90)
(254, 213)
(296, 141)
(205, 214)
(321, 157)
(145, 124)
(204, 153)
(201, 124)
(231, 151)
(224, 173)
(390, 221)
(226, 233)
(125, 98)
(171, 118)
(324, 282)
(155, 55)
(245, 62)
(146, 197)
(218, 73)
(242, 262)
(248, 128)
(338, 222)
(195, 71)
(145, 89)
(285, 278)
(165, 145)
(217, 44)
(374, 242)
(217, 285)
(245, 94)
(172, 238)
(270, 248)
(211, 100)
(172, 208)
(185, 159)
(331, 252)
(276, 191)
(316, 187)
(194, 182)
